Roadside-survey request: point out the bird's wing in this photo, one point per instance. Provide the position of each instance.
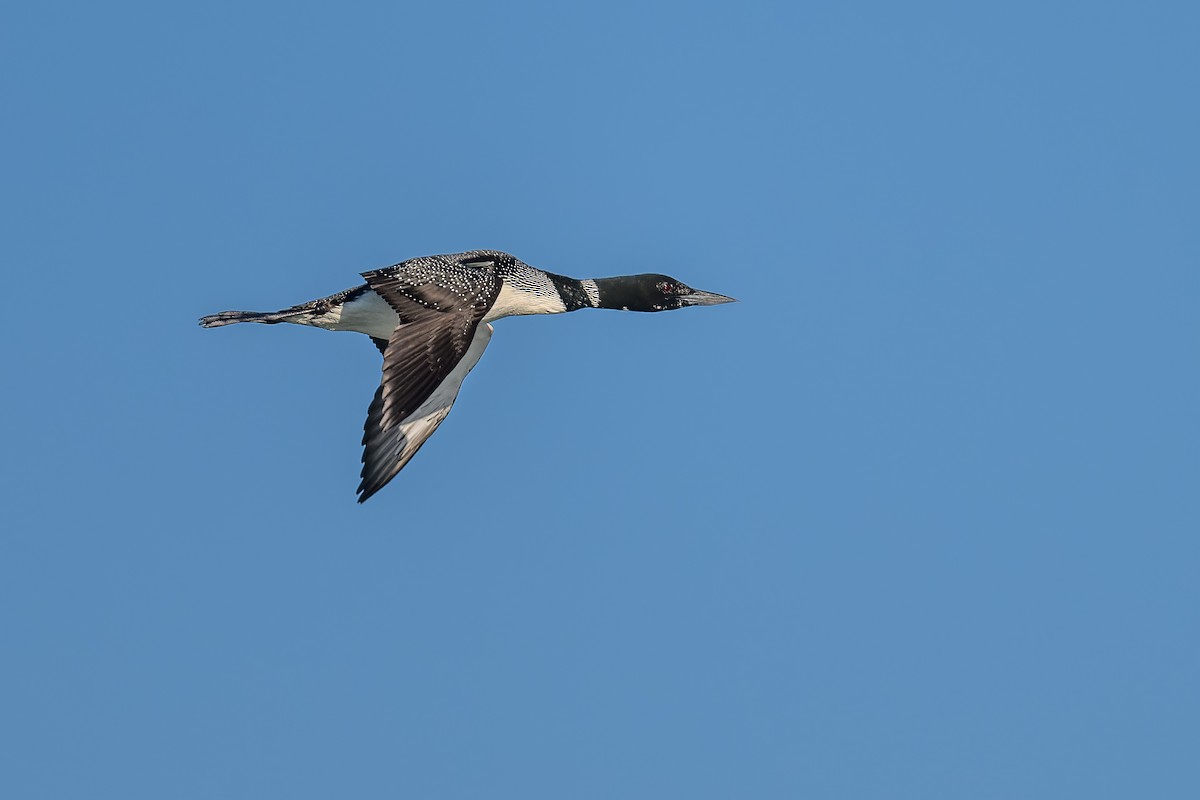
(386, 449)
(440, 306)
(440, 303)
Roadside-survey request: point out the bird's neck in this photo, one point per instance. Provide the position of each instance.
(574, 294)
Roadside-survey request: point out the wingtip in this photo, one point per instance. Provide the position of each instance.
(366, 491)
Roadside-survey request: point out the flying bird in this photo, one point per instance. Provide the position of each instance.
(429, 318)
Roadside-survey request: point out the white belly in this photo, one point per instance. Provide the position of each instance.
(368, 313)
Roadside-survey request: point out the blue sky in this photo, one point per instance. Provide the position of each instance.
(916, 518)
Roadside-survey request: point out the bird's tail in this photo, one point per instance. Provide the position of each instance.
(230, 317)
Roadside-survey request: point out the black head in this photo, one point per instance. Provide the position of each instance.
(653, 293)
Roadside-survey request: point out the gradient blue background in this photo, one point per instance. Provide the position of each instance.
(917, 518)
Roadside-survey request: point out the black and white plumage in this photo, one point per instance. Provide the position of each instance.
(430, 318)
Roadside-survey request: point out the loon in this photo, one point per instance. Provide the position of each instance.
(430, 316)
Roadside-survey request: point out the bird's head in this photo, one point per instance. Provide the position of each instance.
(653, 292)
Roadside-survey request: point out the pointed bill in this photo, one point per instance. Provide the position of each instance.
(705, 299)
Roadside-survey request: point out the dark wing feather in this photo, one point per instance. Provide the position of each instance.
(379, 450)
(441, 319)
(383, 450)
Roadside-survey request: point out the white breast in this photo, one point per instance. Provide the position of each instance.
(516, 299)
